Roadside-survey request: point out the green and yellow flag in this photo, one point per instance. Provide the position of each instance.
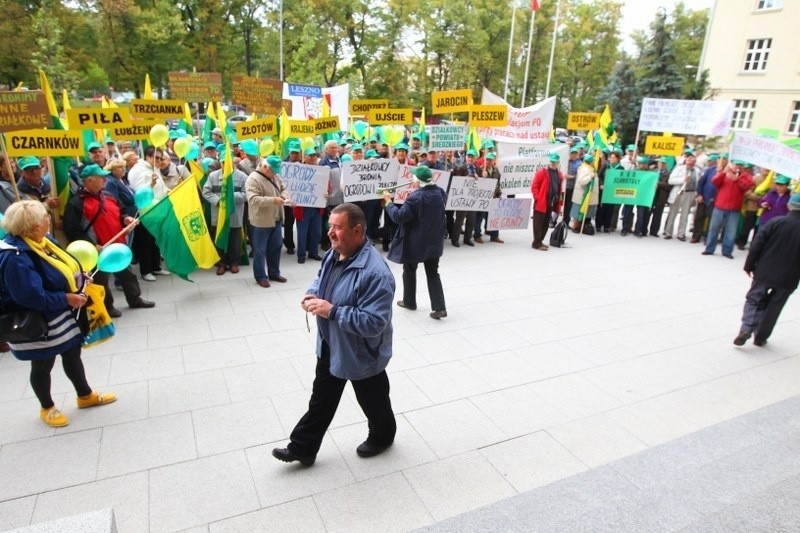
(226, 201)
(608, 131)
(185, 123)
(59, 174)
(210, 123)
(179, 228)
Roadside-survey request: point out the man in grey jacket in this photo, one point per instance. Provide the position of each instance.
(212, 192)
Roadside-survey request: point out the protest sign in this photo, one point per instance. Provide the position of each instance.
(23, 110)
(307, 185)
(457, 101)
(470, 194)
(361, 179)
(309, 91)
(630, 187)
(662, 145)
(301, 128)
(255, 129)
(157, 108)
(766, 153)
(446, 137)
(391, 116)
(583, 121)
(518, 163)
(527, 125)
(195, 86)
(84, 118)
(138, 130)
(694, 117)
(404, 176)
(488, 115)
(44, 143)
(509, 213)
(326, 125)
(260, 95)
(363, 107)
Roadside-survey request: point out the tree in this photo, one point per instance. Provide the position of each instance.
(622, 94)
(660, 76)
(51, 52)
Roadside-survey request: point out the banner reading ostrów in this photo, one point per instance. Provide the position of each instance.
(630, 187)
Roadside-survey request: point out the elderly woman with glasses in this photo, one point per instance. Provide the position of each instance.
(37, 275)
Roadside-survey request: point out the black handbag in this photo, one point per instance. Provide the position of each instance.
(21, 326)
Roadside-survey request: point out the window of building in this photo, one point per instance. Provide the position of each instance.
(755, 60)
(769, 4)
(743, 111)
(794, 119)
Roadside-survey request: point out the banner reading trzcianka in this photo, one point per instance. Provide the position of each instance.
(630, 187)
(361, 179)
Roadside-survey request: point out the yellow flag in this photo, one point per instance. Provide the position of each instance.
(67, 107)
(148, 92)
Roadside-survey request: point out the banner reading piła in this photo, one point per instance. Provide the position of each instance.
(630, 187)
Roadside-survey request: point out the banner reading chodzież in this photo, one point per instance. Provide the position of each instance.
(630, 187)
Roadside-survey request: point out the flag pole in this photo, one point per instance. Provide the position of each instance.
(552, 50)
(510, 44)
(528, 60)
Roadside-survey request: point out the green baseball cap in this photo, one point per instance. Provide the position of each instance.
(371, 154)
(310, 151)
(210, 145)
(643, 159)
(28, 161)
(90, 171)
(782, 180)
(401, 146)
(554, 157)
(473, 153)
(713, 157)
(274, 163)
(356, 148)
(588, 158)
(490, 155)
(94, 146)
(422, 173)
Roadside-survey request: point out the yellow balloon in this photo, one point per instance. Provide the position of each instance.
(85, 252)
(266, 147)
(159, 135)
(181, 147)
(307, 143)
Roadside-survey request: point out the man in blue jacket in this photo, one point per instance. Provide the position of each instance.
(352, 300)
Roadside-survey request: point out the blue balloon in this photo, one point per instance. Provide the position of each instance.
(2, 230)
(114, 258)
(193, 153)
(144, 197)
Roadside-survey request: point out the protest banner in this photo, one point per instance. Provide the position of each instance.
(518, 163)
(446, 137)
(255, 129)
(136, 131)
(361, 179)
(693, 117)
(301, 128)
(663, 145)
(766, 153)
(509, 213)
(308, 91)
(307, 185)
(379, 117)
(527, 125)
(84, 118)
(630, 187)
(457, 101)
(260, 95)
(470, 194)
(23, 110)
(326, 125)
(488, 115)
(361, 108)
(44, 143)
(583, 121)
(195, 86)
(404, 177)
(141, 108)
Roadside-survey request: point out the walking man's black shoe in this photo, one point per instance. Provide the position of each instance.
(285, 455)
(366, 449)
(741, 338)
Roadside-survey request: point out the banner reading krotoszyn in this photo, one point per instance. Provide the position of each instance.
(630, 187)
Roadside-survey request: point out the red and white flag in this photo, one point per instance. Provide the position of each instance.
(534, 5)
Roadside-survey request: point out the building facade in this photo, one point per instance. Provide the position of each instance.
(752, 57)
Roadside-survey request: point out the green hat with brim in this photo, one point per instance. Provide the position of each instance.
(688, 151)
(356, 148)
(94, 146)
(422, 173)
(371, 154)
(574, 150)
(210, 145)
(554, 157)
(724, 155)
(588, 158)
(28, 161)
(631, 148)
(473, 153)
(401, 146)
(274, 163)
(295, 147)
(606, 151)
(782, 180)
(643, 159)
(310, 151)
(490, 155)
(173, 134)
(90, 171)
(713, 157)
(250, 147)
(342, 142)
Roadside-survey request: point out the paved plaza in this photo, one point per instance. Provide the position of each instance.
(586, 388)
